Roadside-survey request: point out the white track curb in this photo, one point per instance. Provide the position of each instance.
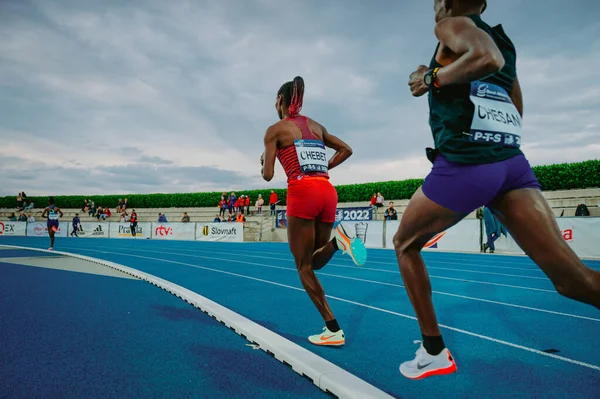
(324, 374)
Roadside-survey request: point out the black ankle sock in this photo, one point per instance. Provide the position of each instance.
(334, 243)
(433, 345)
(332, 325)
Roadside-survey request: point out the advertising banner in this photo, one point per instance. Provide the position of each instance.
(232, 232)
(581, 233)
(122, 230)
(40, 229)
(362, 214)
(92, 229)
(13, 228)
(174, 231)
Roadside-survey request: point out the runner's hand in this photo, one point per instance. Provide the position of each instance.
(416, 83)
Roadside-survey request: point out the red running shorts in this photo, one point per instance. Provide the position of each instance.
(312, 198)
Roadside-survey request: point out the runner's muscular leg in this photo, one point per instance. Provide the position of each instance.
(301, 237)
(323, 244)
(531, 222)
(421, 220)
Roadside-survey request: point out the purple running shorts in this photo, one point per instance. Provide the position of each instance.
(464, 188)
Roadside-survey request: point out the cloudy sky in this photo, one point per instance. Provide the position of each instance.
(175, 96)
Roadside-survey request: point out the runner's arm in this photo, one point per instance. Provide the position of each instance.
(44, 212)
(268, 159)
(517, 96)
(478, 55)
(342, 150)
(60, 212)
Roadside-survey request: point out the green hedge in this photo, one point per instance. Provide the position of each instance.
(552, 177)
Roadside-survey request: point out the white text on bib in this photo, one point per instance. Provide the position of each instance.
(311, 156)
(495, 119)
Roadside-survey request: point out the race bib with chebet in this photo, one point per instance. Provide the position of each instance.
(311, 156)
(495, 119)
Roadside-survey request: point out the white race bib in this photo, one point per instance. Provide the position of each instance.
(311, 156)
(495, 119)
(52, 215)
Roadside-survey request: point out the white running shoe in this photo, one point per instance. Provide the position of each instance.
(328, 338)
(425, 365)
(351, 246)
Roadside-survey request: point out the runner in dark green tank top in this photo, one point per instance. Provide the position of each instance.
(475, 116)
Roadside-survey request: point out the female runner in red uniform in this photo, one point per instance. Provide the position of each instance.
(299, 144)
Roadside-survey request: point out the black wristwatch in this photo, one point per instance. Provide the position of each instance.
(430, 78)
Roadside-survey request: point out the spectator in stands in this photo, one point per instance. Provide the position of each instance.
(28, 206)
(239, 204)
(373, 200)
(217, 219)
(232, 201)
(125, 204)
(229, 219)
(273, 202)
(76, 225)
(222, 205)
(99, 213)
(86, 205)
(240, 218)
(22, 217)
(390, 213)
(380, 200)
(185, 218)
(12, 217)
(92, 209)
(106, 213)
(31, 219)
(248, 201)
(120, 205)
(162, 218)
(259, 204)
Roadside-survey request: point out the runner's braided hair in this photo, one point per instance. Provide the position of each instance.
(293, 95)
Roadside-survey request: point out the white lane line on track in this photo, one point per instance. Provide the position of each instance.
(481, 336)
(380, 283)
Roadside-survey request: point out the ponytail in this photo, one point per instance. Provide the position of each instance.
(297, 96)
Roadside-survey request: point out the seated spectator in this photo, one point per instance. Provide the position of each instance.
(120, 205)
(185, 218)
(22, 217)
(373, 200)
(125, 204)
(162, 218)
(240, 218)
(86, 205)
(229, 219)
(259, 204)
(28, 206)
(99, 213)
(92, 209)
(380, 200)
(31, 219)
(390, 213)
(106, 213)
(12, 217)
(217, 219)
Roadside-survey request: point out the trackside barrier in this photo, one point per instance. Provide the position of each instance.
(230, 232)
(324, 374)
(581, 233)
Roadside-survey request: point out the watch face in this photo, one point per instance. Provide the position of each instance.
(428, 79)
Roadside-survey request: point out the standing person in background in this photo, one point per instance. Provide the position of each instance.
(259, 204)
(133, 222)
(247, 203)
(273, 201)
(52, 213)
(76, 223)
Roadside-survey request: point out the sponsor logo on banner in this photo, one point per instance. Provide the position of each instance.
(567, 234)
(92, 230)
(434, 241)
(8, 229)
(358, 214)
(221, 232)
(39, 229)
(163, 231)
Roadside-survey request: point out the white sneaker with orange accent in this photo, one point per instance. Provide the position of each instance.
(425, 365)
(351, 246)
(328, 338)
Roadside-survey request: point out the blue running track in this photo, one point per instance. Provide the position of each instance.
(78, 335)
